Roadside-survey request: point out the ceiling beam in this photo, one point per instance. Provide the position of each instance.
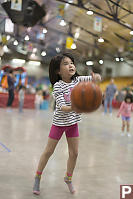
(102, 15)
(117, 4)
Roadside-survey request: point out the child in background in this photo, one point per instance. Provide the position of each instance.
(38, 99)
(21, 94)
(125, 112)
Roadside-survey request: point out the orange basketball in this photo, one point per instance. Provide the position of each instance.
(86, 97)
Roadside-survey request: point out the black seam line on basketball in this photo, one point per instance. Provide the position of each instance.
(83, 98)
(94, 95)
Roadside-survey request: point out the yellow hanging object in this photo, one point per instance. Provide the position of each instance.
(69, 42)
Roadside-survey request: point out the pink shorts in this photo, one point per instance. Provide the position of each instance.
(57, 131)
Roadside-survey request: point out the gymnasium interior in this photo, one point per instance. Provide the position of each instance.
(99, 35)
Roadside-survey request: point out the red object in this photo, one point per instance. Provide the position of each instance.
(86, 97)
(28, 101)
(6, 68)
(20, 69)
(116, 104)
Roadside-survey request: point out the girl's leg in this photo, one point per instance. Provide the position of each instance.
(49, 150)
(42, 163)
(73, 153)
(123, 126)
(73, 144)
(128, 128)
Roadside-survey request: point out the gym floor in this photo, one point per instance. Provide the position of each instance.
(105, 158)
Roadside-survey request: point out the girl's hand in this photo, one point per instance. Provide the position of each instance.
(75, 109)
(96, 77)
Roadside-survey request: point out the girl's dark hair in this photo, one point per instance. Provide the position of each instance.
(54, 67)
(129, 96)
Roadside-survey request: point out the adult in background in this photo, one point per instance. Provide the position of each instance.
(109, 95)
(11, 81)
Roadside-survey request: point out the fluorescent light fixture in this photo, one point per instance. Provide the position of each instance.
(62, 23)
(20, 61)
(101, 40)
(43, 53)
(73, 46)
(89, 63)
(89, 12)
(35, 63)
(100, 61)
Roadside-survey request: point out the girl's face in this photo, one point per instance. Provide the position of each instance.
(67, 69)
(128, 100)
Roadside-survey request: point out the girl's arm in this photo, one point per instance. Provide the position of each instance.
(132, 107)
(66, 108)
(121, 107)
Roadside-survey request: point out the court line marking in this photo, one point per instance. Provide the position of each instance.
(8, 150)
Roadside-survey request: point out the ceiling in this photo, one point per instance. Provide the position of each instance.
(115, 16)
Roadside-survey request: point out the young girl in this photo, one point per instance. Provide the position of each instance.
(63, 77)
(125, 112)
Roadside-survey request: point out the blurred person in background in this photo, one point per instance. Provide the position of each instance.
(38, 99)
(21, 95)
(11, 80)
(109, 96)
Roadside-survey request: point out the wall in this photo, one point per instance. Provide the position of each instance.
(118, 69)
(32, 70)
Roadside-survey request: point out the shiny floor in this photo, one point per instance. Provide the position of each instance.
(105, 158)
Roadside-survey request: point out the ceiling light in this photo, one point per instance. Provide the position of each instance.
(15, 43)
(89, 63)
(62, 23)
(101, 40)
(34, 50)
(73, 46)
(5, 49)
(131, 32)
(16, 61)
(35, 63)
(57, 50)
(43, 53)
(100, 61)
(45, 30)
(26, 38)
(117, 59)
(76, 35)
(33, 55)
(89, 12)
(8, 37)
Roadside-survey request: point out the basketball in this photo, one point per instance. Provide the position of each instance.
(86, 97)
